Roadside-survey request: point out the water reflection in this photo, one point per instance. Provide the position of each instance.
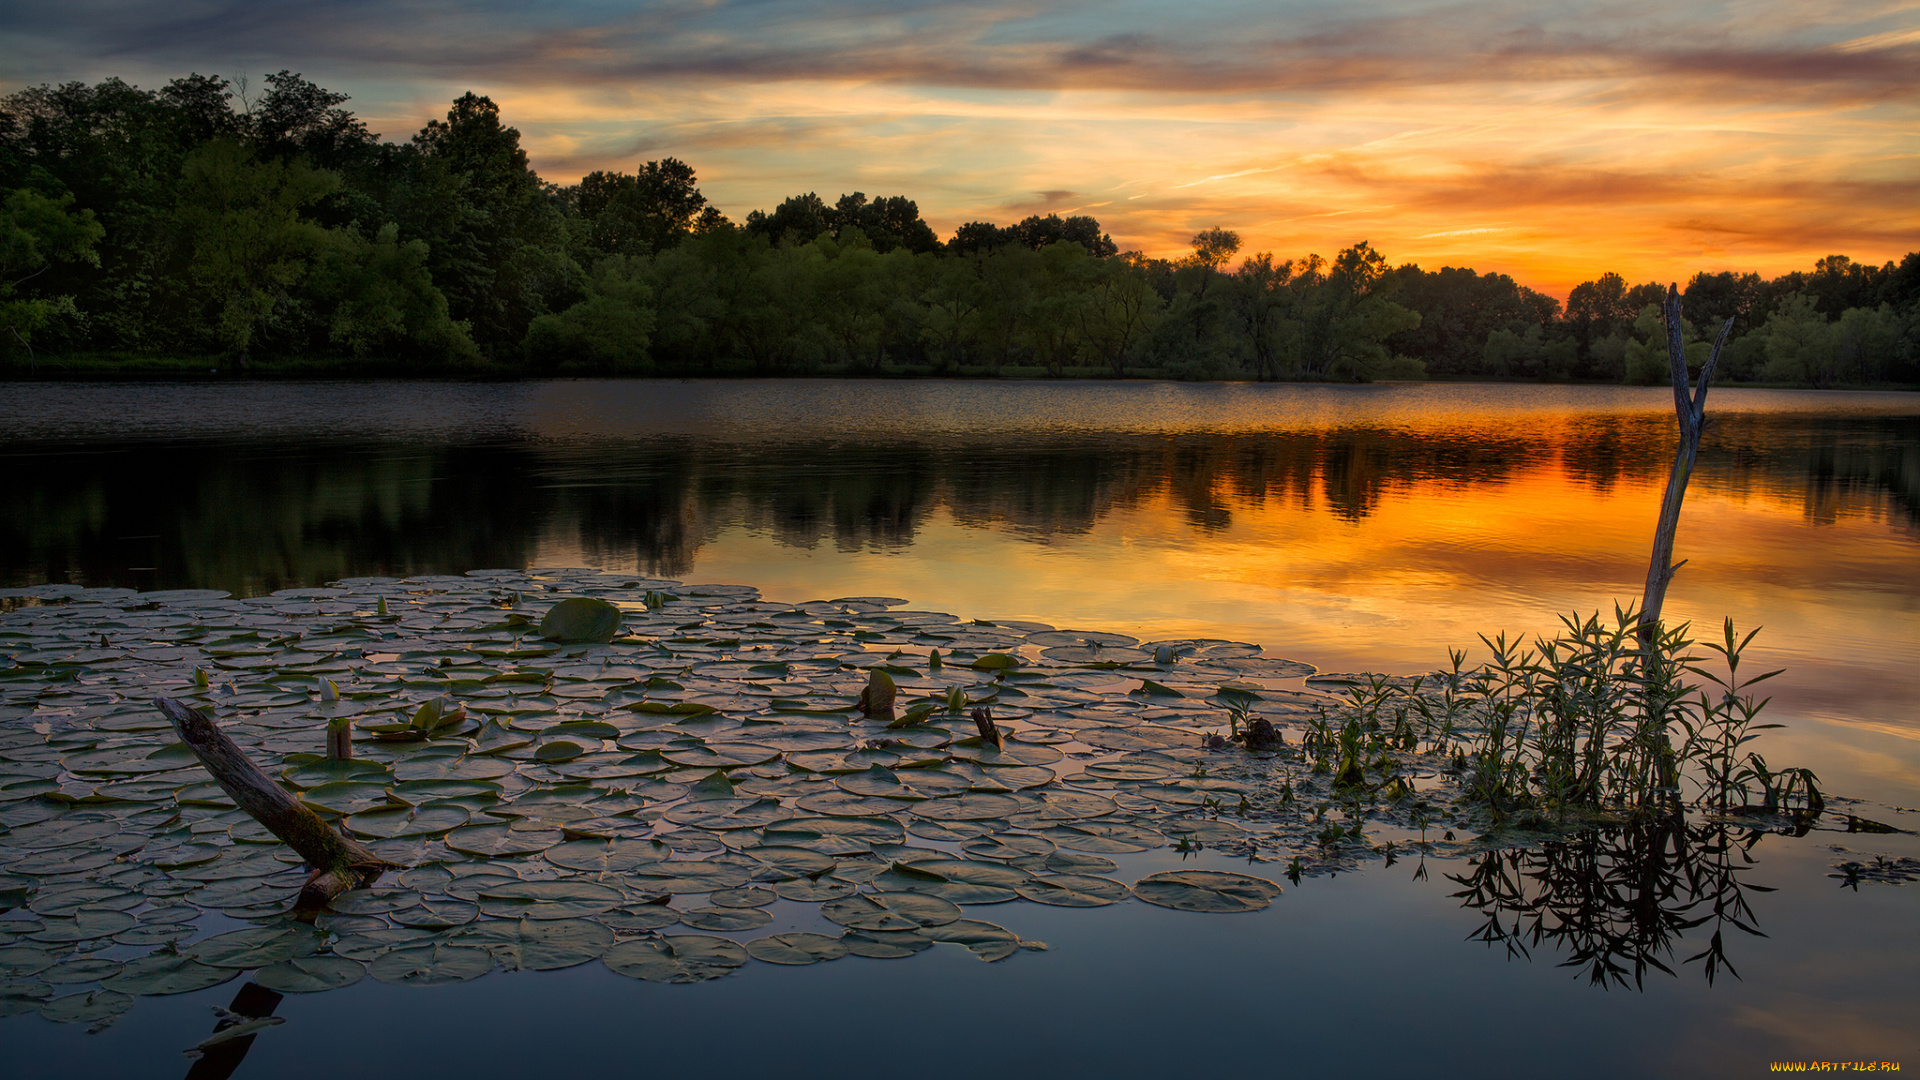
(256, 515)
(1618, 901)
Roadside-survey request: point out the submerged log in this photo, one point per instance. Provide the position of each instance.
(338, 862)
(1692, 409)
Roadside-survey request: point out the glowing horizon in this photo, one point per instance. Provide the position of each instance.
(1552, 144)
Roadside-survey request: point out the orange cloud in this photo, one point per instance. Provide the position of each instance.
(1544, 142)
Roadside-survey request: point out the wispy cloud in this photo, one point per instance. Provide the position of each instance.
(1647, 137)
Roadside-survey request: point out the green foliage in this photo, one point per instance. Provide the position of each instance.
(608, 331)
(1589, 720)
(37, 231)
(382, 300)
(279, 227)
(245, 242)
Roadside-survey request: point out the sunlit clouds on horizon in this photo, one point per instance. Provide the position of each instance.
(1551, 143)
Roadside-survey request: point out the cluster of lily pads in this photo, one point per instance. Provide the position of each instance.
(648, 802)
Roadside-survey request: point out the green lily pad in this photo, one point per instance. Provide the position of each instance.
(725, 919)
(431, 965)
(255, 947)
(87, 925)
(969, 807)
(1073, 890)
(437, 913)
(98, 1007)
(549, 945)
(889, 911)
(81, 969)
(565, 899)
(1206, 890)
(796, 949)
(20, 961)
(167, 973)
(810, 891)
(885, 944)
(401, 821)
(310, 974)
(615, 856)
(677, 958)
(748, 896)
(580, 620)
(634, 920)
(499, 841)
(557, 751)
(985, 940)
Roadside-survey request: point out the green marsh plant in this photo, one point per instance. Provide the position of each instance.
(1588, 721)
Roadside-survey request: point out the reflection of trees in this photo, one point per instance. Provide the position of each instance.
(1617, 901)
(254, 516)
(1833, 465)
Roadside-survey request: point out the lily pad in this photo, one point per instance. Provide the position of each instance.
(615, 856)
(167, 973)
(1073, 890)
(677, 958)
(431, 965)
(796, 949)
(255, 947)
(97, 1007)
(310, 974)
(985, 940)
(725, 919)
(885, 944)
(889, 911)
(580, 620)
(549, 945)
(1206, 890)
(566, 899)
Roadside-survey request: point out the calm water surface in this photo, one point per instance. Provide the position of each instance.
(1356, 528)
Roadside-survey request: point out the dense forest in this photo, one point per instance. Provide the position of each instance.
(273, 231)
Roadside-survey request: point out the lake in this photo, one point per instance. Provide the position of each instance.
(1352, 528)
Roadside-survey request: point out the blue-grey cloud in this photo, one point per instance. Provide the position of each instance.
(939, 43)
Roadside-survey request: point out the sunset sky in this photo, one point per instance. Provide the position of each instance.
(1552, 142)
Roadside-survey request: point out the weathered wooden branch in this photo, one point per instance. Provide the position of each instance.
(339, 862)
(1692, 409)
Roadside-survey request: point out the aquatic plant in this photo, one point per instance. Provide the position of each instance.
(1589, 720)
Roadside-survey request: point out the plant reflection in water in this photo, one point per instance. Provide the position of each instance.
(1618, 900)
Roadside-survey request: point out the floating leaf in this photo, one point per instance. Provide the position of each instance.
(796, 949)
(564, 899)
(81, 969)
(580, 620)
(1073, 890)
(558, 750)
(677, 958)
(96, 1007)
(995, 661)
(878, 697)
(310, 974)
(985, 940)
(167, 973)
(889, 911)
(436, 820)
(616, 856)
(885, 944)
(255, 947)
(725, 919)
(1206, 890)
(550, 945)
(431, 965)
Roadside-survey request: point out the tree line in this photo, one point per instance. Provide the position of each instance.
(205, 220)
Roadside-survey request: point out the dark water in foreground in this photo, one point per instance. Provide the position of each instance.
(1353, 528)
